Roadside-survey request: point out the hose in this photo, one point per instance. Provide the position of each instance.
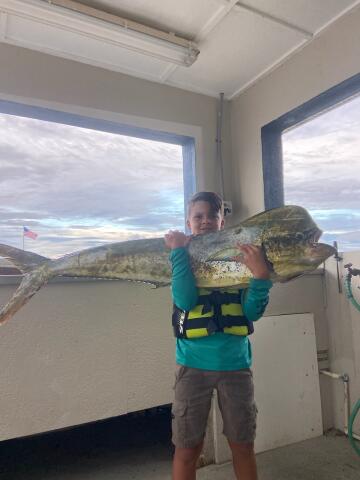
(348, 290)
(353, 442)
(350, 296)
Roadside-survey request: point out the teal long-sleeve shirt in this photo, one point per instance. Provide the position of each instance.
(219, 351)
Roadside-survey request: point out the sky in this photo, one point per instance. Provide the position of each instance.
(322, 172)
(78, 188)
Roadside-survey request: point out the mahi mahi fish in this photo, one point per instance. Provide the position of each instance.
(287, 235)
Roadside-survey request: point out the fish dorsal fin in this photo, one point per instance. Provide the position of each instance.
(284, 214)
(24, 261)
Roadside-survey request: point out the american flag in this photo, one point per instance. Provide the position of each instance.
(29, 233)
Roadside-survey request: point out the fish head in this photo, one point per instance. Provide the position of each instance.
(319, 252)
(299, 260)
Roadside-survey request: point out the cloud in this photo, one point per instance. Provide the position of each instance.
(84, 186)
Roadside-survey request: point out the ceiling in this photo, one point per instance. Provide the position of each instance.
(239, 41)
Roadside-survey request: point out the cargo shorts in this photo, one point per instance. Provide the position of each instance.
(190, 410)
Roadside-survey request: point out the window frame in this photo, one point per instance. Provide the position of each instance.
(94, 123)
(271, 135)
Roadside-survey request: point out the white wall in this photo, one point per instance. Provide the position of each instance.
(81, 351)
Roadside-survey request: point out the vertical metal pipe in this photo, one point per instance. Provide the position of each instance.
(219, 143)
(346, 402)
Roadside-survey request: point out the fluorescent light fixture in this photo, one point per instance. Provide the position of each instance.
(68, 15)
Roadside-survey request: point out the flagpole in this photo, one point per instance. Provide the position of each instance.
(23, 239)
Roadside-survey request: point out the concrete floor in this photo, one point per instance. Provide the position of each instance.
(137, 447)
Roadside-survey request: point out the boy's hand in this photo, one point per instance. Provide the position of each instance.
(252, 257)
(175, 239)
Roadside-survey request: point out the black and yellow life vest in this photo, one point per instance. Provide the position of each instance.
(216, 311)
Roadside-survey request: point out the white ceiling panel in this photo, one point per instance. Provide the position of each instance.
(241, 47)
(312, 15)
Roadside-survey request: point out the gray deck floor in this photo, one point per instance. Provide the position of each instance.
(124, 450)
(322, 458)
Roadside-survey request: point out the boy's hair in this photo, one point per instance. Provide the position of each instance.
(215, 201)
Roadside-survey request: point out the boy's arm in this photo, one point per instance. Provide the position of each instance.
(255, 298)
(183, 286)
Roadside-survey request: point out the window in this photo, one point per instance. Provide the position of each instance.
(78, 183)
(322, 172)
(311, 157)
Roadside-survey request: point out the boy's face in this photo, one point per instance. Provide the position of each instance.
(202, 219)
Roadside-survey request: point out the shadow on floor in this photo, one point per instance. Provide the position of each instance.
(140, 440)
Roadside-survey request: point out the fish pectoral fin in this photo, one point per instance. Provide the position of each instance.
(226, 255)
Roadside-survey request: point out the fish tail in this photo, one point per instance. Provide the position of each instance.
(31, 283)
(24, 261)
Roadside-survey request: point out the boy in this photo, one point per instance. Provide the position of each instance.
(219, 360)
